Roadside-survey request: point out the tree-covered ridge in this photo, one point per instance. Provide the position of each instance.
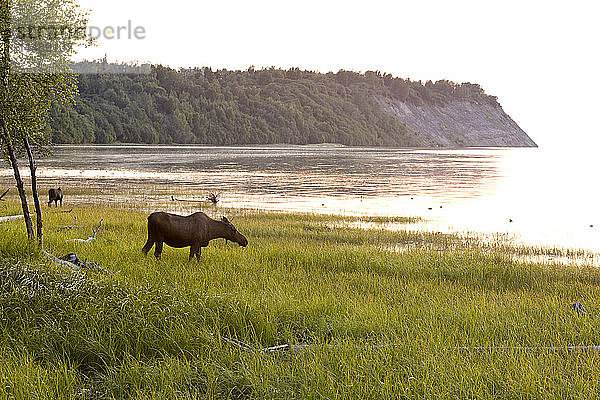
(248, 107)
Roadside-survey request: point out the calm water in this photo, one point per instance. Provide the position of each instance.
(551, 198)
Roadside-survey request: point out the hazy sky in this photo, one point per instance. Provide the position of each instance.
(539, 57)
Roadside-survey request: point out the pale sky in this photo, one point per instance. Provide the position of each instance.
(539, 57)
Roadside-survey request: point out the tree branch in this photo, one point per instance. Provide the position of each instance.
(74, 225)
(91, 238)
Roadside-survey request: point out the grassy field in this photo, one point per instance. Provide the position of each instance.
(363, 321)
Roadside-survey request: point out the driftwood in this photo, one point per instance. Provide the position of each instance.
(237, 343)
(213, 197)
(10, 218)
(304, 347)
(71, 260)
(567, 349)
(91, 238)
(283, 347)
(578, 307)
(74, 225)
(61, 261)
(4, 194)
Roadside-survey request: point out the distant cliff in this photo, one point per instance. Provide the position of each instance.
(459, 123)
(269, 106)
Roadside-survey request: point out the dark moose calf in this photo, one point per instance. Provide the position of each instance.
(195, 230)
(55, 195)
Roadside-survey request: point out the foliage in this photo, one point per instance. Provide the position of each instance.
(201, 106)
(35, 67)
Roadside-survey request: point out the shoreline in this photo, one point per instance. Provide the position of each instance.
(284, 145)
(502, 242)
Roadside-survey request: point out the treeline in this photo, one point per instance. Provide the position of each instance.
(202, 106)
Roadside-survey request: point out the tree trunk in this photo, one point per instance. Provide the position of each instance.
(36, 200)
(13, 162)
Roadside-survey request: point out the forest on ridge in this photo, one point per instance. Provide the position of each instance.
(267, 106)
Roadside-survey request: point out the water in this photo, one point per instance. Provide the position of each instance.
(528, 195)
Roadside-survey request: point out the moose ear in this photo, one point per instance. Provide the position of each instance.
(224, 219)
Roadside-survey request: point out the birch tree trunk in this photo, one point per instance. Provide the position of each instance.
(36, 199)
(19, 181)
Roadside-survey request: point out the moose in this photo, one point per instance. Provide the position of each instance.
(195, 230)
(55, 195)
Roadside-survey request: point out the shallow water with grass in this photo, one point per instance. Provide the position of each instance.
(536, 197)
(361, 319)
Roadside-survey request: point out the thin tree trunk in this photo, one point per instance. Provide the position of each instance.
(36, 200)
(13, 162)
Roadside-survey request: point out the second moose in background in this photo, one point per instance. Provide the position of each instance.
(55, 195)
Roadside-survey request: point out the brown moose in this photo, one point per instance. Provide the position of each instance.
(195, 230)
(55, 195)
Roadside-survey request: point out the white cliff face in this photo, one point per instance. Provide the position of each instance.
(459, 124)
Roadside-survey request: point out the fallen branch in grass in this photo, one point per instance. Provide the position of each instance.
(71, 260)
(91, 238)
(74, 225)
(285, 347)
(304, 347)
(295, 347)
(272, 349)
(237, 343)
(60, 261)
(10, 218)
(568, 349)
(4, 194)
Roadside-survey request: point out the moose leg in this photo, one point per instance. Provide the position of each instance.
(158, 249)
(195, 249)
(148, 246)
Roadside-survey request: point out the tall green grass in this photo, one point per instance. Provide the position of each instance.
(369, 322)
